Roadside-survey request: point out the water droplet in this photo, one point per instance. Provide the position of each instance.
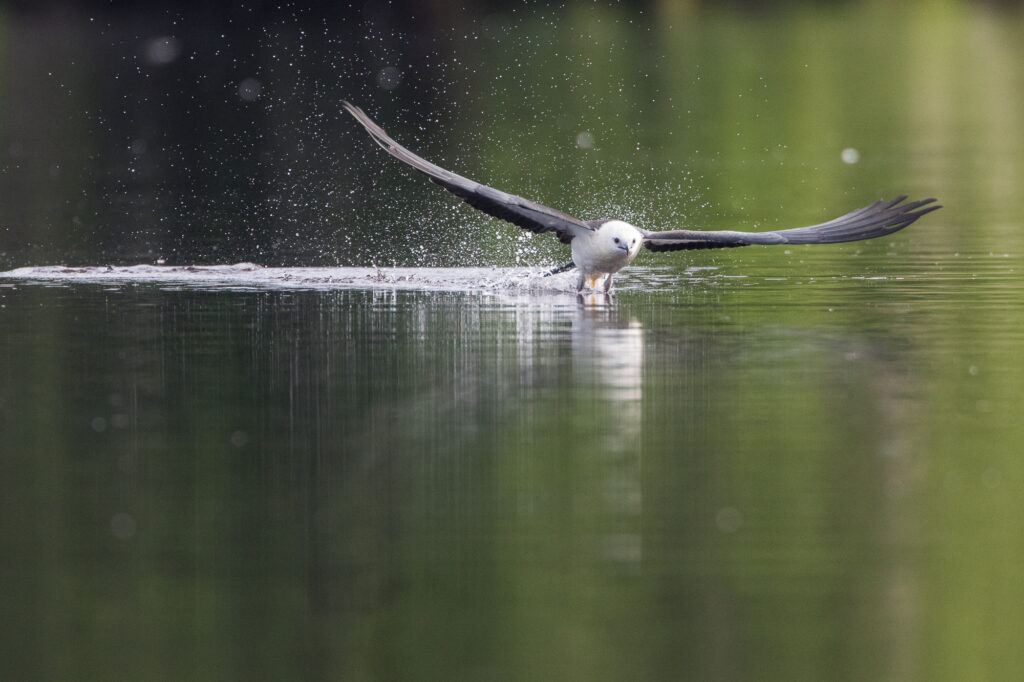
(249, 89)
(585, 140)
(163, 50)
(728, 519)
(389, 78)
(123, 526)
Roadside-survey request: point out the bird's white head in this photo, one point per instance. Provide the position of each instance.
(606, 250)
(618, 235)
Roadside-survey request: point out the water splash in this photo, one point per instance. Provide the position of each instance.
(248, 276)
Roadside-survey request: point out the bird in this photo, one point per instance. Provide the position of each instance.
(600, 248)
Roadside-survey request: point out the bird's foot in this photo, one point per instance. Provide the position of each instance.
(595, 299)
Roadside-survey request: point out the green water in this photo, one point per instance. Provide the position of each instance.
(793, 464)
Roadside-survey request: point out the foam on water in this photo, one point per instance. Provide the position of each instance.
(250, 276)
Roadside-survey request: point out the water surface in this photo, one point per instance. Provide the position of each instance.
(735, 475)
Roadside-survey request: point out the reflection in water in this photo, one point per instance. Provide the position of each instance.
(381, 475)
(611, 349)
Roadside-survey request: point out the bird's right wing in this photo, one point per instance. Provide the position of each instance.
(877, 220)
(517, 210)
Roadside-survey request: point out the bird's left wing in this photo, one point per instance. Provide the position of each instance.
(877, 220)
(517, 210)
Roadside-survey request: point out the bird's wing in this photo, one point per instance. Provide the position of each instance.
(877, 220)
(517, 210)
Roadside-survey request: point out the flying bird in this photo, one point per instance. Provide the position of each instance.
(600, 248)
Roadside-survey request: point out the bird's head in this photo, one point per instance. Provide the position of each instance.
(617, 234)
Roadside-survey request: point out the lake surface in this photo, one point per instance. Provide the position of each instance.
(346, 430)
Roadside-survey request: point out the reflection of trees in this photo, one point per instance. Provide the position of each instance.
(708, 118)
(377, 475)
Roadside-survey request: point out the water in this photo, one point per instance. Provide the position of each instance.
(733, 476)
(358, 435)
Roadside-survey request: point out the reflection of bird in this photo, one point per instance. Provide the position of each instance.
(600, 248)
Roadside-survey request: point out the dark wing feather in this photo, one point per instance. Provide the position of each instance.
(877, 220)
(517, 210)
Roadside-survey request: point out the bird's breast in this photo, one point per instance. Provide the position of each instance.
(596, 253)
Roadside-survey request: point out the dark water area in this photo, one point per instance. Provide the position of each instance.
(770, 463)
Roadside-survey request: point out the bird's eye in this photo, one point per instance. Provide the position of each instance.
(616, 240)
